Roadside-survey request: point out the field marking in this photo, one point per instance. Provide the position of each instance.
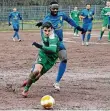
(72, 41)
(93, 34)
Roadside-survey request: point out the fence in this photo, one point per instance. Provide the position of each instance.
(31, 14)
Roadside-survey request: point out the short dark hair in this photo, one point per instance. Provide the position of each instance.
(53, 2)
(47, 25)
(88, 4)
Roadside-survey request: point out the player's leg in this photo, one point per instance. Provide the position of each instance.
(77, 32)
(101, 33)
(17, 32)
(108, 33)
(35, 72)
(62, 67)
(84, 34)
(88, 37)
(14, 35)
(38, 70)
(104, 25)
(89, 33)
(74, 31)
(34, 75)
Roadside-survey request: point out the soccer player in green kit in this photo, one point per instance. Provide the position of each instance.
(105, 13)
(75, 16)
(47, 55)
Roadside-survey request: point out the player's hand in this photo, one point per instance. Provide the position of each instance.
(39, 24)
(9, 24)
(37, 45)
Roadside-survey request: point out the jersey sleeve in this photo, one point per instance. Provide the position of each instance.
(69, 20)
(52, 48)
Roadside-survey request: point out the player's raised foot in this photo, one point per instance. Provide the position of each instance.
(83, 43)
(87, 43)
(24, 83)
(56, 86)
(25, 93)
(19, 40)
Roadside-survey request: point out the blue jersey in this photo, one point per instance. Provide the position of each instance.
(15, 17)
(88, 14)
(57, 22)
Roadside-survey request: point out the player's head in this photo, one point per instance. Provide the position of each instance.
(14, 9)
(75, 8)
(108, 3)
(54, 8)
(88, 6)
(47, 29)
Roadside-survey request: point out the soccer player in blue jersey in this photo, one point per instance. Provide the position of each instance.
(57, 18)
(15, 17)
(87, 16)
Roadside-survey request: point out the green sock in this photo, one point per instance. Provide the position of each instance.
(101, 34)
(29, 83)
(26, 87)
(109, 36)
(76, 31)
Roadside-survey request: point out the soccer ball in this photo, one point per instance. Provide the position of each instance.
(47, 102)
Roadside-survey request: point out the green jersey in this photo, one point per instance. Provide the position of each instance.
(104, 15)
(75, 15)
(48, 55)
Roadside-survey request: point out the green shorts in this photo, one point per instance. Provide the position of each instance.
(46, 60)
(105, 22)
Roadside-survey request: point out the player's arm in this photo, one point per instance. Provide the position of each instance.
(69, 20)
(52, 46)
(9, 18)
(73, 23)
(20, 17)
(92, 15)
(81, 15)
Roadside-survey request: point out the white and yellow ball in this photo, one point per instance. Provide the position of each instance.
(47, 102)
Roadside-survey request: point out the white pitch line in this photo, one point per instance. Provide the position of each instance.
(93, 34)
(89, 42)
